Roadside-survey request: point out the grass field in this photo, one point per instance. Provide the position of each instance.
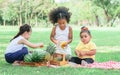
(106, 39)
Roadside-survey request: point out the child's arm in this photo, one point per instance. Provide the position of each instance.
(70, 35)
(77, 52)
(91, 52)
(52, 36)
(26, 42)
(87, 53)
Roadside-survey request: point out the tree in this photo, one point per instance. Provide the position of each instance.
(25, 11)
(109, 6)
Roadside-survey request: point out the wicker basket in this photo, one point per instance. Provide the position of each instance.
(34, 64)
(59, 63)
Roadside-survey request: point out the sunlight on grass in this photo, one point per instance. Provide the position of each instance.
(108, 49)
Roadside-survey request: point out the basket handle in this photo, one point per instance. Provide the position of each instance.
(63, 57)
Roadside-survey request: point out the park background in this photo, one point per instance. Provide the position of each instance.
(102, 17)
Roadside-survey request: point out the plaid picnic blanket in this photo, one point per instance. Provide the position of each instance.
(104, 65)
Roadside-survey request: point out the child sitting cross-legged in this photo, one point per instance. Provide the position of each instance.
(85, 50)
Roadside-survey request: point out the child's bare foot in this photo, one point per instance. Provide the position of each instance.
(17, 62)
(41, 45)
(84, 63)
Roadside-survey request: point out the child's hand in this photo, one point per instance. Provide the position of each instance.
(56, 42)
(41, 45)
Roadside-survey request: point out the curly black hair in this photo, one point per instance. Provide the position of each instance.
(59, 13)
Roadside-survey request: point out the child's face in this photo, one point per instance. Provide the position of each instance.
(27, 34)
(85, 37)
(62, 22)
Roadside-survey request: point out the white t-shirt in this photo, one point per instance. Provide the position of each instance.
(14, 46)
(62, 35)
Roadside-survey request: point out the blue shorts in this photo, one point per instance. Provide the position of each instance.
(16, 56)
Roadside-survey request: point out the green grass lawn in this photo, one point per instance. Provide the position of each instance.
(106, 39)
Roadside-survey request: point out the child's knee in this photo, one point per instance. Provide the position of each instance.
(25, 50)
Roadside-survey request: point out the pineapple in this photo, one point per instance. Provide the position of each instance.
(47, 57)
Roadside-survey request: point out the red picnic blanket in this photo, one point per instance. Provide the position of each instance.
(104, 65)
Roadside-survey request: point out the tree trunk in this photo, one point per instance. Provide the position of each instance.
(4, 23)
(36, 20)
(20, 19)
(30, 19)
(113, 21)
(97, 20)
(88, 22)
(20, 13)
(13, 22)
(26, 15)
(107, 16)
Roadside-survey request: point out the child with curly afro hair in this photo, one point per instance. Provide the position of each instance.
(61, 34)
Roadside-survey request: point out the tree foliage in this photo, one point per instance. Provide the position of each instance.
(110, 8)
(35, 12)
